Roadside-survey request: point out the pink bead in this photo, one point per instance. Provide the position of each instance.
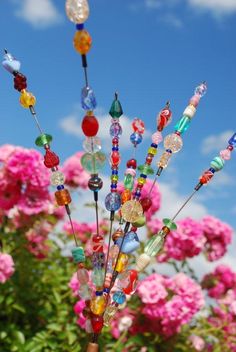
(157, 137)
(108, 280)
(195, 100)
(130, 171)
(225, 154)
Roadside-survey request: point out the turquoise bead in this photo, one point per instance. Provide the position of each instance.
(116, 109)
(183, 124)
(119, 297)
(129, 182)
(170, 224)
(217, 163)
(154, 245)
(78, 254)
(93, 163)
(43, 139)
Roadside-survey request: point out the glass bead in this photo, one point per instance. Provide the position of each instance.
(128, 281)
(90, 126)
(43, 139)
(201, 89)
(77, 10)
(83, 276)
(113, 201)
(115, 129)
(115, 158)
(206, 177)
(82, 42)
(93, 163)
(232, 140)
(189, 111)
(57, 178)
(20, 82)
(63, 197)
(183, 124)
(92, 144)
(154, 245)
(173, 142)
(109, 314)
(164, 160)
(163, 118)
(10, 63)
(138, 126)
(98, 277)
(116, 109)
(129, 182)
(117, 234)
(152, 150)
(122, 262)
(170, 224)
(98, 305)
(141, 181)
(125, 196)
(130, 171)
(146, 169)
(132, 163)
(157, 137)
(130, 242)
(140, 222)
(195, 100)
(95, 183)
(217, 163)
(131, 211)
(225, 154)
(78, 254)
(85, 292)
(114, 178)
(108, 278)
(136, 138)
(98, 242)
(88, 100)
(97, 323)
(98, 260)
(27, 99)
(146, 203)
(51, 159)
(119, 297)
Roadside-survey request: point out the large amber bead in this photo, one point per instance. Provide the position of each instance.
(82, 42)
(98, 305)
(27, 99)
(63, 197)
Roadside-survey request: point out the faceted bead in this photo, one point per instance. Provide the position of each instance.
(116, 109)
(206, 177)
(117, 234)
(43, 139)
(146, 169)
(170, 224)
(113, 201)
(190, 111)
(93, 163)
(98, 242)
(140, 222)
(95, 183)
(92, 144)
(141, 181)
(97, 323)
(125, 196)
(195, 100)
(164, 159)
(130, 171)
(98, 305)
(131, 211)
(173, 142)
(129, 182)
(82, 42)
(51, 159)
(63, 197)
(84, 292)
(90, 126)
(78, 254)
(163, 118)
(183, 124)
(20, 82)
(154, 245)
(88, 100)
(109, 314)
(83, 276)
(146, 203)
(27, 99)
(10, 63)
(232, 140)
(217, 163)
(115, 159)
(77, 10)
(136, 138)
(225, 154)
(122, 262)
(119, 297)
(130, 243)
(115, 129)
(201, 89)
(57, 178)
(152, 150)
(132, 163)
(114, 178)
(98, 277)
(157, 137)
(138, 126)
(128, 281)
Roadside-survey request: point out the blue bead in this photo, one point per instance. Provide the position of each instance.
(112, 201)
(169, 151)
(106, 290)
(232, 140)
(130, 243)
(212, 170)
(143, 175)
(60, 187)
(88, 100)
(113, 185)
(115, 129)
(154, 145)
(79, 26)
(119, 297)
(99, 293)
(115, 149)
(114, 172)
(136, 138)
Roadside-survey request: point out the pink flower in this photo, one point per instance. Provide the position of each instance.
(5, 151)
(10, 192)
(74, 172)
(6, 267)
(84, 230)
(154, 225)
(152, 290)
(197, 342)
(79, 306)
(34, 201)
(123, 321)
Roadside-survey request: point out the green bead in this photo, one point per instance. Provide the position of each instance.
(146, 169)
(78, 254)
(140, 222)
(154, 245)
(170, 224)
(114, 178)
(93, 163)
(129, 182)
(217, 163)
(43, 139)
(183, 124)
(98, 277)
(116, 109)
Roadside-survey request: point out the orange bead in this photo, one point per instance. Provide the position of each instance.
(63, 197)
(125, 196)
(82, 42)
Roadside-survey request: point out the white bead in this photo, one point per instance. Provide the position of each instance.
(190, 111)
(57, 178)
(77, 10)
(142, 262)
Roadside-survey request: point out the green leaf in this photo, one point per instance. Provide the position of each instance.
(3, 334)
(20, 337)
(19, 308)
(71, 337)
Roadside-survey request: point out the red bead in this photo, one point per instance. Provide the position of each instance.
(90, 126)
(97, 243)
(132, 163)
(115, 140)
(163, 119)
(133, 277)
(133, 229)
(20, 82)
(149, 159)
(51, 159)
(97, 323)
(206, 177)
(230, 147)
(146, 203)
(115, 158)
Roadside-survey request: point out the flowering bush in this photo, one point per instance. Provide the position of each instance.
(40, 306)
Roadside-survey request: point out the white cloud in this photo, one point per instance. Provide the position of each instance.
(152, 4)
(172, 20)
(38, 13)
(222, 179)
(215, 142)
(218, 7)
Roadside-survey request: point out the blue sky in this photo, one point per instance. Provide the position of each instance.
(150, 51)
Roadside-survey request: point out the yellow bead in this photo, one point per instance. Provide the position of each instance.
(114, 178)
(27, 99)
(82, 42)
(152, 151)
(98, 305)
(122, 262)
(142, 180)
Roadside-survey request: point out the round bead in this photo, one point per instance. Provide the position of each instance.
(97, 323)
(173, 142)
(98, 305)
(141, 181)
(140, 222)
(78, 254)
(90, 125)
(57, 178)
(217, 163)
(138, 126)
(132, 163)
(77, 10)
(95, 183)
(201, 89)
(88, 100)
(43, 139)
(136, 138)
(115, 158)
(163, 118)
(225, 154)
(10, 63)
(92, 144)
(119, 297)
(189, 111)
(51, 159)
(152, 151)
(115, 129)
(63, 197)
(113, 201)
(93, 163)
(146, 203)
(170, 224)
(131, 211)
(146, 169)
(157, 137)
(20, 82)
(27, 99)
(82, 42)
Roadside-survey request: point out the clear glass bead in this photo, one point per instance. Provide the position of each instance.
(77, 10)
(173, 142)
(57, 178)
